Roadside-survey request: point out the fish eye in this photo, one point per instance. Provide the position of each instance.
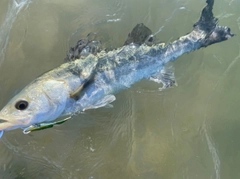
(21, 105)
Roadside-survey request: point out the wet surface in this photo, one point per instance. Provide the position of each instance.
(189, 131)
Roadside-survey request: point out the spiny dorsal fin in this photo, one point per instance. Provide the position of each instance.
(83, 48)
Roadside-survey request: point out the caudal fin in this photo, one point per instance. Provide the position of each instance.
(209, 24)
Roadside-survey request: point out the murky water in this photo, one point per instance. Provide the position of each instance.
(189, 131)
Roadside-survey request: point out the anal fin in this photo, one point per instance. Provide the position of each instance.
(166, 77)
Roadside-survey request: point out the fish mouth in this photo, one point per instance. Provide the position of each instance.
(6, 125)
(3, 121)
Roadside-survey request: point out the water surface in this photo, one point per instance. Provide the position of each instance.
(189, 131)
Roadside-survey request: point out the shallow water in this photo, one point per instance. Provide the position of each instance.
(189, 131)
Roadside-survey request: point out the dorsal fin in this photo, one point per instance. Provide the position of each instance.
(84, 47)
(140, 35)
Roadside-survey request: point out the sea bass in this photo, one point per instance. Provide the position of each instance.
(91, 82)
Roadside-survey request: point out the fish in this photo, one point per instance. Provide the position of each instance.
(91, 81)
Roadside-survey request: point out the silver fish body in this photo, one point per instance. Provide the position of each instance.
(51, 95)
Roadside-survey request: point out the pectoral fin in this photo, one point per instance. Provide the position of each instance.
(76, 94)
(79, 91)
(166, 77)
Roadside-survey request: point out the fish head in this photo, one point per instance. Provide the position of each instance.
(41, 101)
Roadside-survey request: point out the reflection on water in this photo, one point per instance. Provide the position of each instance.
(13, 9)
(189, 131)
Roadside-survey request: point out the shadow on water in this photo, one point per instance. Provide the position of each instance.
(189, 131)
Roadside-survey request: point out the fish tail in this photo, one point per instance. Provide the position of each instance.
(209, 25)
